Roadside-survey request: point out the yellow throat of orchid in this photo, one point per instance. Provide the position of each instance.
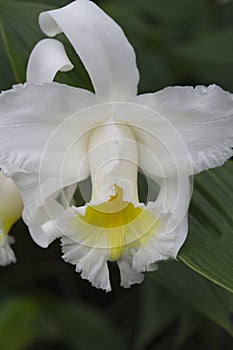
(11, 205)
(115, 225)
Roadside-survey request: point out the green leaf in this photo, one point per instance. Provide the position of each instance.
(19, 31)
(202, 295)
(6, 74)
(208, 249)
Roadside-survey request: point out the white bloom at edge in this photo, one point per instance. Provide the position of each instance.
(11, 208)
(61, 135)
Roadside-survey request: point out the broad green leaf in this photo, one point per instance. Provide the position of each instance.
(208, 248)
(6, 74)
(202, 295)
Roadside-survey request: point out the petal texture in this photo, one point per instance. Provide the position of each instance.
(101, 45)
(174, 198)
(11, 204)
(47, 138)
(46, 59)
(90, 262)
(7, 256)
(48, 211)
(185, 130)
(11, 207)
(44, 199)
(128, 275)
(48, 148)
(135, 237)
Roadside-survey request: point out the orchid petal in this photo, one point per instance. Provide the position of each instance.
(129, 276)
(55, 140)
(46, 59)
(91, 262)
(162, 245)
(43, 200)
(116, 230)
(184, 130)
(7, 255)
(174, 198)
(50, 210)
(101, 44)
(11, 205)
(172, 206)
(136, 242)
(47, 137)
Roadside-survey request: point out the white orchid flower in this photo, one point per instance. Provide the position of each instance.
(11, 208)
(53, 136)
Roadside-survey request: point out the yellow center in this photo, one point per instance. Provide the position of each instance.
(115, 225)
(1, 237)
(7, 223)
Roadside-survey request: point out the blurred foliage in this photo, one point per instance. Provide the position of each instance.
(44, 304)
(178, 41)
(208, 248)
